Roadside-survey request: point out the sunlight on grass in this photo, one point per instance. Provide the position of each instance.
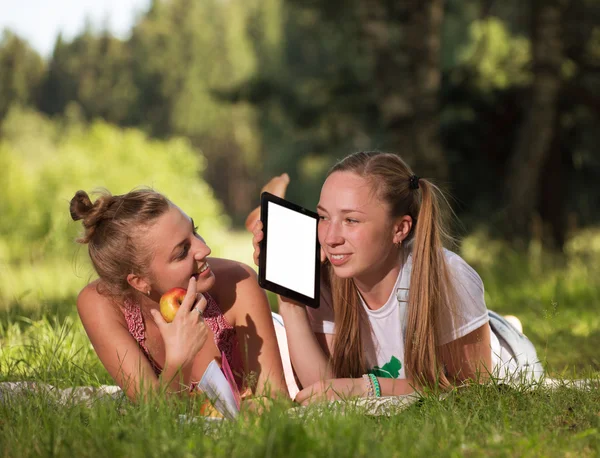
(49, 351)
(555, 296)
(477, 421)
(31, 285)
(42, 340)
(557, 300)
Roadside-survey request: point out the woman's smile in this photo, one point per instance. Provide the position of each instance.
(339, 259)
(204, 270)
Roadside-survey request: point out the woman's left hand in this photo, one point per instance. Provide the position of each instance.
(331, 390)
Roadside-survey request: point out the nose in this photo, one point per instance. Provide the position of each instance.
(202, 250)
(333, 234)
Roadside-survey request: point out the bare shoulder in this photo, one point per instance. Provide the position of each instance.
(236, 283)
(90, 296)
(228, 270)
(93, 306)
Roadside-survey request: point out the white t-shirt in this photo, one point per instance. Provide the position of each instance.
(385, 350)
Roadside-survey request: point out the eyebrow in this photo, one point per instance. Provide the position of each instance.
(183, 241)
(319, 207)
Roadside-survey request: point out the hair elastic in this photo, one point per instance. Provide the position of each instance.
(413, 182)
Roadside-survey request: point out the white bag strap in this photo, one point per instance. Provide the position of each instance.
(402, 292)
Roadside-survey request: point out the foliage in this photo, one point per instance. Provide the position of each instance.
(263, 87)
(43, 164)
(238, 91)
(21, 73)
(95, 72)
(499, 59)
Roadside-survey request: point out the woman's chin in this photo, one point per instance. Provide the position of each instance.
(204, 284)
(343, 272)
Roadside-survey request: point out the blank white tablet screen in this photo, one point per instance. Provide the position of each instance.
(291, 245)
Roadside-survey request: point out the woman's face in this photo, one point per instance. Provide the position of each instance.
(355, 228)
(179, 253)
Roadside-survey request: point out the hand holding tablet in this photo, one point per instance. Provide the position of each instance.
(289, 263)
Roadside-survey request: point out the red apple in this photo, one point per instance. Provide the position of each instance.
(170, 303)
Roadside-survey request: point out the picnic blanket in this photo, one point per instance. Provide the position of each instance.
(84, 394)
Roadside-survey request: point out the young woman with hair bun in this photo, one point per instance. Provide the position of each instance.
(398, 311)
(142, 245)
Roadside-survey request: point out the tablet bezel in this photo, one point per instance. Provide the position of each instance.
(266, 197)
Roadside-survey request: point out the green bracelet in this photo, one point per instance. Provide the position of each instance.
(375, 385)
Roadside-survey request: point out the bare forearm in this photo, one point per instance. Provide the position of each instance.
(396, 387)
(172, 381)
(176, 377)
(308, 358)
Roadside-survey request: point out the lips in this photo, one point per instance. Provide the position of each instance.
(339, 259)
(204, 270)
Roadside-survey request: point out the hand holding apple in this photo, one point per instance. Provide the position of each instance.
(180, 324)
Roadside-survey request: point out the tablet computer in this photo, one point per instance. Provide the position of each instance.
(290, 255)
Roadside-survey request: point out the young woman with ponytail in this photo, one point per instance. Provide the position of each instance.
(398, 312)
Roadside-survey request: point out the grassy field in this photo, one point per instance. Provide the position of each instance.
(556, 297)
(482, 421)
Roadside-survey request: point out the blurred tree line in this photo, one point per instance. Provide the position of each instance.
(43, 162)
(498, 101)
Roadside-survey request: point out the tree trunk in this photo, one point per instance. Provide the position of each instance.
(553, 196)
(536, 133)
(404, 38)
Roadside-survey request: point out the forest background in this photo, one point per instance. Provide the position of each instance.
(497, 102)
(206, 100)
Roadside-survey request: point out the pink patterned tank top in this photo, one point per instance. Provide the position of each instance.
(225, 336)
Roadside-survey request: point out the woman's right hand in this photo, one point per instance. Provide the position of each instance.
(187, 333)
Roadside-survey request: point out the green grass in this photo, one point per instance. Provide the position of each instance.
(479, 421)
(46, 284)
(556, 298)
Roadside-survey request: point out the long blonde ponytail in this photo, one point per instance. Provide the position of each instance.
(430, 292)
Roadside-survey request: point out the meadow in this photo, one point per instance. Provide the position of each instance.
(42, 340)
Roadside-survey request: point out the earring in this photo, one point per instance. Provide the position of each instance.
(398, 244)
(148, 293)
